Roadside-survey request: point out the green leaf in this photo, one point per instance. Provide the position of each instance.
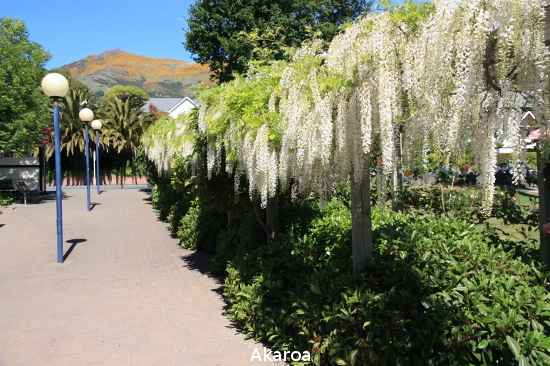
(542, 356)
(353, 356)
(315, 289)
(484, 343)
(514, 346)
(488, 319)
(339, 361)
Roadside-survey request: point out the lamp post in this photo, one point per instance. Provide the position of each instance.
(86, 115)
(56, 86)
(96, 125)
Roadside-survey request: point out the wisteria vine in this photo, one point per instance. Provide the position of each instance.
(449, 75)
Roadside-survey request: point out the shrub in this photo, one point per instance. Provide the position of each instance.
(7, 198)
(211, 222)
(188, 227)
(242, 237)
(435, 292)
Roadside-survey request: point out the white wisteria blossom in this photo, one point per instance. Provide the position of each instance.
(453, 80)
(166, 140)
(449, 75)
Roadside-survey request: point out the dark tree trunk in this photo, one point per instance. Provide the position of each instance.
(271, 222)
(231, 216)
(544, 207)
(361, 221)
(272, 215)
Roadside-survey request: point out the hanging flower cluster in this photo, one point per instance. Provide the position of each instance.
(466, 74)
(452, 81)
(166, 140)
(449, 75)
(240, 120)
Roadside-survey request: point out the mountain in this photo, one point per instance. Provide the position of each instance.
(158, 77)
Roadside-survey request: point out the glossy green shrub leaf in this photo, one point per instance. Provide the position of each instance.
(514, 346)
(482, 344)
(315, 289)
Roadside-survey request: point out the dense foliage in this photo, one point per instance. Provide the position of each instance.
(435, 292)
(23, 106)
(137, 96)
(228, 35)
(438, 290)
(328, 113)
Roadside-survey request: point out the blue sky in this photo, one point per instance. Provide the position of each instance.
(71, 29)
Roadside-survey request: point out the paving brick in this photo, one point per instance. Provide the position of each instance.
(125, 294)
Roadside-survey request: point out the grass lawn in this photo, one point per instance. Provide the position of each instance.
(462, 198)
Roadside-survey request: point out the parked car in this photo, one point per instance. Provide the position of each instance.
(531, 175)
(505, 171)
(505, 167)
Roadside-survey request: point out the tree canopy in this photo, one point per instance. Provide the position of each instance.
(229, 34)
(136, 96)
(23, 106)
(399, 69)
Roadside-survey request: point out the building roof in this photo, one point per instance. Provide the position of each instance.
(164, 104)
(171, 105)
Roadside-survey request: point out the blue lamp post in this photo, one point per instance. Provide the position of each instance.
(56, 86)
(96, 125)
(86, 115)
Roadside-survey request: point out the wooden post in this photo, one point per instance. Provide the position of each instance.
(544, 207)
(361, 221)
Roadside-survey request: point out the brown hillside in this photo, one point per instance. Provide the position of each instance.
(160, 77)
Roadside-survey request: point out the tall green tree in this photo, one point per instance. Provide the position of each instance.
(124, 124)
(135, 95)
(23, 106)
(227, 35)
(124, 120)
(71, 126)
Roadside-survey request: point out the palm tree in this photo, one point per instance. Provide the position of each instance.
(71, 128)
(125, 123)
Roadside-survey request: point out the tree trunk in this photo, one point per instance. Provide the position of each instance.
(271, 224)
(272, 215)
(361, 221)
(397, 174)
(231, 216)
(544, 207)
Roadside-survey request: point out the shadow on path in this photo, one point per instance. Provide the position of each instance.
(73, 243)
(198, 261)
(49, 196)
(149, 198)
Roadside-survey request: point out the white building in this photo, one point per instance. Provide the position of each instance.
(528, 119)
(173, 106)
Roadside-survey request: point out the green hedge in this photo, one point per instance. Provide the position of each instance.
(434, 293)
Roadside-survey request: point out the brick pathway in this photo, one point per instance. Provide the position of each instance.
(126, 293)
